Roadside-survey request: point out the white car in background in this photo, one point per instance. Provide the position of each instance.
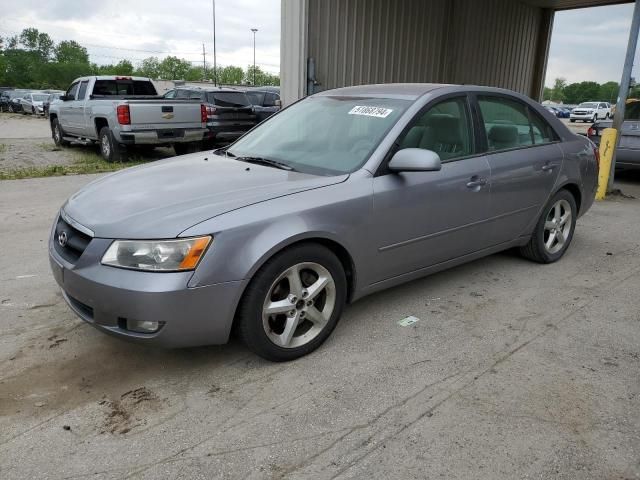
(591, 111)
(34, 103)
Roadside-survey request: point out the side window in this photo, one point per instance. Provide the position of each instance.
(506, 123)
(270, 100)
(73, 90)
(170, 94)
(445, 129)
(542, 131)
(83, 90)
(195, 95)
(182, 94)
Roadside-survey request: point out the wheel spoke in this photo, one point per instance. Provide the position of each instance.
(289, 329)
(295, 283)
(557, 214)
(279, 306)
(551, 240)
(560, 237)
(316, 287)
(565, 218)
(317, 317)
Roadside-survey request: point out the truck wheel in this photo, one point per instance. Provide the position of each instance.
(110, 150)
(573, 120)
(11, 108)
(58, 134)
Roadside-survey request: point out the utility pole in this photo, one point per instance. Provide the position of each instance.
(625, 84)
(215, 63)
(204, 63)
(254, 30)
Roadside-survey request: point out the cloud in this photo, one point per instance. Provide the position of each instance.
(589, 44)
(113, 30)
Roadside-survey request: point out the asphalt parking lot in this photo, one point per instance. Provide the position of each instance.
(514, 370)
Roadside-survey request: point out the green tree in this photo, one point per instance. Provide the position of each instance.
(557, 92)
(609, 92)
(149, 67)
(230, 75)
(582, 92)
(547, 93)
(70, 51)
(34, 41)
(261, 77)
(174, 68)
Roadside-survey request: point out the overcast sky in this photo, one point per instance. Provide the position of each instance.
(587, 44)
(107, 28)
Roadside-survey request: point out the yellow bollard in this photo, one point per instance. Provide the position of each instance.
(607, 142)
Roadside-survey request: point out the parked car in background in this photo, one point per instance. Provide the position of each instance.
(33, 102)
(628, 152)
(591, 111)
(229, 111)
(6, 97)
(344, 193)
(265, 101)
(120, 111)
(51, 98)
(15, 104)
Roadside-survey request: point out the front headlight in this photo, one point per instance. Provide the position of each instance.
(157, 255)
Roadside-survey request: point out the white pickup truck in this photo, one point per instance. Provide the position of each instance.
(120, 111)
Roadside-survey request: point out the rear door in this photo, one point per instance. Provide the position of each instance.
(426, 218)
(525, 160)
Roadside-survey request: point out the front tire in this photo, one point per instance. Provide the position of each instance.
(573, 120)
(57, 134)
(554, 231)
(293, 303)
(110, 150)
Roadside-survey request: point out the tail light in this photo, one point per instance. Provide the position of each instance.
(592, 132)
(596, 152)
(124, 116)
(211, 111)
(203, 113)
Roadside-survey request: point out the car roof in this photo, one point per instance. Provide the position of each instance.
(208, 89)
(404, 91)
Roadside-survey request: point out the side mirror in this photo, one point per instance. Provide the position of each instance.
(278, 103)
(64, 98)
(415, 160)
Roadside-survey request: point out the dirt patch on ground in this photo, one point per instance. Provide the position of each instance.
(129, 411)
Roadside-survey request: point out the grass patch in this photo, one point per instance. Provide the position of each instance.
(83, 163)
(3, 147)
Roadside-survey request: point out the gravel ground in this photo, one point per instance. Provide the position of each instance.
(25, 141)
(514, 370)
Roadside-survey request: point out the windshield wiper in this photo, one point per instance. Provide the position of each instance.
(265, 161)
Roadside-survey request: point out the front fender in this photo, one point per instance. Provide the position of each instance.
(245, 239)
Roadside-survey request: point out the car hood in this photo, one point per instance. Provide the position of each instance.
(163, 199)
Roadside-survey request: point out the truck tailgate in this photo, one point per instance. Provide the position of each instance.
(159, 114)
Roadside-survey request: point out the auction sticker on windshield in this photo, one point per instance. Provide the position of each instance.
(378, 112)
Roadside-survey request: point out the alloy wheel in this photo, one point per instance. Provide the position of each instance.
(557, 226)
(106, 146)
(299, 305)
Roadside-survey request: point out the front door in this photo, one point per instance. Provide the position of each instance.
(66, 108)
(426, 218)
(525, 160)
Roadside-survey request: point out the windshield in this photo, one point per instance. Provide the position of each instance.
(39, 98)
(228, 99)
(588, 105)
(323, 135)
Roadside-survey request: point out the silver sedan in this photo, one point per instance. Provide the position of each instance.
(338, 196)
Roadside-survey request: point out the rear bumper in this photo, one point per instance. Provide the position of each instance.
(161, 137)
(105, 297)
(228, 130)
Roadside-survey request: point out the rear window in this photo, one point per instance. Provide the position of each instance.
(632, 111)
(228, 99)
(256, 98)
(124, 87)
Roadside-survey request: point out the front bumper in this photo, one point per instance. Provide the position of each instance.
(161, 137)
(105, 297)
(582, 116)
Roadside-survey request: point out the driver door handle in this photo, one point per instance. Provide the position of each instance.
(476, 182)
(548, 167)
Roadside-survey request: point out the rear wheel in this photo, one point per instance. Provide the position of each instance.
(554, 230)
(573, 120)
(293, 303)
(110, 150)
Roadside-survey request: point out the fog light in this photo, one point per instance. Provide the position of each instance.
(143, 326)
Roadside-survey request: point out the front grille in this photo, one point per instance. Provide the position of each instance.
(69, 242)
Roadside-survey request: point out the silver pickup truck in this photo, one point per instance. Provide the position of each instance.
(120, 111)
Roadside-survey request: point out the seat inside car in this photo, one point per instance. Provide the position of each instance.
(439, 132)
(503, 136)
